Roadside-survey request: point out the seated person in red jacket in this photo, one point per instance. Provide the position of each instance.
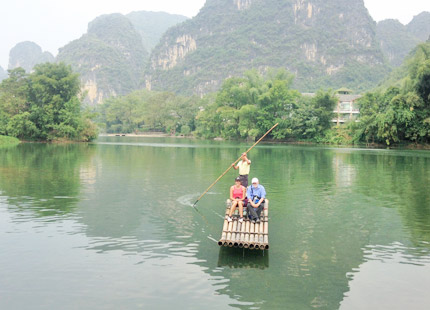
(237, 196)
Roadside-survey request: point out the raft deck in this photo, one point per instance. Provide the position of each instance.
(246, 234)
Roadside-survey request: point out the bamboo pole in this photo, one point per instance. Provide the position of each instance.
(242, 235)
(233, 234)
(266, 208)
(225, 226)
(224, 233)
(256, 229)
(251, 235)
(231, 166)
(266, 225)
(261, 232)
(246, 239)
(236, 240)
(228, 239)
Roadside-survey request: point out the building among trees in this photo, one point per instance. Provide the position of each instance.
(346, 108)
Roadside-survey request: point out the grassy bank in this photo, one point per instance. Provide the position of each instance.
(7, 141)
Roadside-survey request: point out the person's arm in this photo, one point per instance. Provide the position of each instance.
(243, 192)
(256, 205)
(248, 193)
(231, 194)
(263, 192)
(235, 167)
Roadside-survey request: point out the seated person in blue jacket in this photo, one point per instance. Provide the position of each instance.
(256, 196)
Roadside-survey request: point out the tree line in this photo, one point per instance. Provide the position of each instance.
(244, 108)
(399, 113)
(44, 105)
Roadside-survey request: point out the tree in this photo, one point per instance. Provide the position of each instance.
(21, 126)
(423, 82)
(13, 97)
(44, 105)
(247, 107)
(54, 106)
(149, 110)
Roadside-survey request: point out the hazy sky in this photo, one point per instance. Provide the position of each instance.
(53, 23)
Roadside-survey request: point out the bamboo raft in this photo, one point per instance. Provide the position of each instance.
(246, 234)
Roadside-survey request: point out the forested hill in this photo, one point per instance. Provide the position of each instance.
(110, 57)
(28, 54)
(152, 25)
(420, 26)
(398, 40)
(325, 43)
(3, 74)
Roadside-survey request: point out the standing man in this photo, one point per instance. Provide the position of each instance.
(244, 166)
(256, 194)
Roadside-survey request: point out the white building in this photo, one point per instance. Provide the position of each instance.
(347, 109)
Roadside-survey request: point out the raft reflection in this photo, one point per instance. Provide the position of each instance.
(243, 258)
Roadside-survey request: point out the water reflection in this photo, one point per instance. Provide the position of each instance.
(43, 178)
(390, 278)
(241, 258)
(130, 224)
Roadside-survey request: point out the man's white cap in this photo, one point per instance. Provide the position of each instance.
(254, 180)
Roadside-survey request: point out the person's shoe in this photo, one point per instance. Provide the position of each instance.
(241, 220)
(257, 220)
(229, 218)
(253, 221)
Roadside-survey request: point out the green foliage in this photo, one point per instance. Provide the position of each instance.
(110, 56)
(152, 25)
(8, 141)
(247, 107)
(423, 81)
(396, 40)
(149, 111)
(3, 74)
(21, 126)
(340, 135)
(332, 48)
(311, 117)
(28, 54)
(13, 93)
(420, 26)
(400, 114)
(185, 130)
(43, 105)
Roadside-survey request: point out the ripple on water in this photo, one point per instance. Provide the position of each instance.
(392, 277)
(189, 199)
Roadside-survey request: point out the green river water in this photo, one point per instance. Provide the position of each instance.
(109, 225)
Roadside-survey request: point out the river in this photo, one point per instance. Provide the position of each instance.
(109, 225)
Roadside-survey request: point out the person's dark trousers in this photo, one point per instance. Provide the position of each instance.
(254, 213)
(244, 180)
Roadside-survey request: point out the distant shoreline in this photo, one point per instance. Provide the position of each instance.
(7, 141)
(144, 135)
(407, 146)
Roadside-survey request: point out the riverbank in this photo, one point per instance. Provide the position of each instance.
(144, 135)
(334, 143)
(8, 141)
